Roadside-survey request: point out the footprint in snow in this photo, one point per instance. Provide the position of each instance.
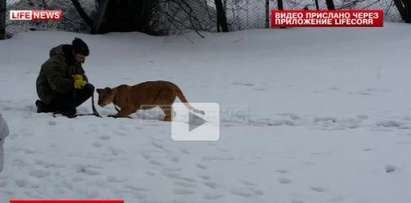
(52, 123)
(337, 199)
(184, 151)
(258, 192)
(243, 84)
(48, 165)
(104, 137)
(247, 183)
(121, 133)
(3, 183)
(390, 168)
(205, 177)
(317, 189)
(151, 173)
(175, 159)
(362, 117)
(212, 196)
(292, 116)
(389, 124)
(155, 163)
(191, 180)
(308, 163)
(113, 179)
(21, 183)
(284, 180)
(179, 191)
(7, 108)
(242, 192)
(115, 151)
(259, 89)
(88, 170)
(146, 156)
(325, 120)
(319, 153)
(185, 184)
(39, 173)
(172, 169)
(282, 171)
(211, 184)
(201, 166)
(403, 143)
(158, 146)
(137, 189)
(97, 144)
(77, 179)
(93, 194)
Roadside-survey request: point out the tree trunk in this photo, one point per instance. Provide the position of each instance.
(221, 17)
(102, 8)
(317, 6)
(280, 4)
(404, 8)
(83, 15)
(330, 4)
(2, 19)
(267, 13)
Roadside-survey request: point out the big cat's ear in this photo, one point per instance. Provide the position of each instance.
(108, 90)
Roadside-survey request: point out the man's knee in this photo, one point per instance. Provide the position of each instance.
(83, 94)
(88, 89)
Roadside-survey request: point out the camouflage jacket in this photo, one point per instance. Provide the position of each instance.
(55, 76)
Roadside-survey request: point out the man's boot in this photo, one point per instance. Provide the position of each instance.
(42, 107)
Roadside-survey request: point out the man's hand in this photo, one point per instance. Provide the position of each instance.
(79, 81)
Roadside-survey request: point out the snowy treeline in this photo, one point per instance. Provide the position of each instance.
(175, 16)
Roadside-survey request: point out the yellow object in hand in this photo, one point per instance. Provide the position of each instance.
(79, 81)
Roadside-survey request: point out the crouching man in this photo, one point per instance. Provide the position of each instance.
(4, 131)
(62, 85)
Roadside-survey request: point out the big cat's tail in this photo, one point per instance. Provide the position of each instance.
(181, 96)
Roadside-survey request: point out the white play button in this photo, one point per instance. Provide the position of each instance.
(191, 126)
(194, 121)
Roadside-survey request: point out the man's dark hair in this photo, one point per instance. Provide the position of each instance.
(80, 47)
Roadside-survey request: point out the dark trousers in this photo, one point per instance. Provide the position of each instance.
(67, 104)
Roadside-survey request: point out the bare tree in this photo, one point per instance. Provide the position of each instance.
(404, 8)
(155, 17)
(330, 4)
(83, 14)
(317, 6)
(2, 19)
(100, 14)
(267, 13)
(120, 16)
(221, 16)
(280, 4)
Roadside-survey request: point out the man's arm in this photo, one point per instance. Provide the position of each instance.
(57, 79)
(82, 72)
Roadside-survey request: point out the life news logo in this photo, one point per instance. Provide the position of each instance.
(36, 15)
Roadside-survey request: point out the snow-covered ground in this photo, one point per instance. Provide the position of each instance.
(308, 116)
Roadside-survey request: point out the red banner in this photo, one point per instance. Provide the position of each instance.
(327, 18)
(66, 201)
